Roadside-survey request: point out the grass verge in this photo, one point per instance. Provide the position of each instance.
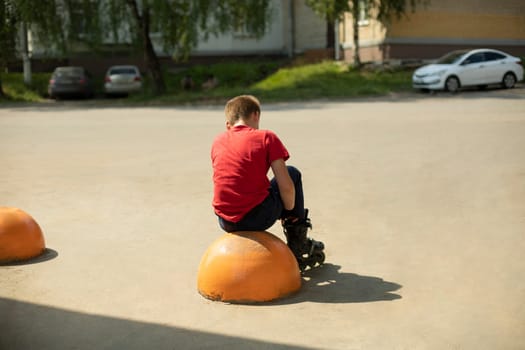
(16, 91)
(270, 81)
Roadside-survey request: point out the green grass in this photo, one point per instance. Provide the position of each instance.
(330, 80)
(16, 91)
(234, 78)
(270, 81)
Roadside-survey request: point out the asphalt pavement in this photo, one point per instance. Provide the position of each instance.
(419, 200)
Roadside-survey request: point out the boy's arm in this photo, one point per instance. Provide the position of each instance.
(284, 182)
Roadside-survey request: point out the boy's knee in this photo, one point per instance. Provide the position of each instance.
(294, 172)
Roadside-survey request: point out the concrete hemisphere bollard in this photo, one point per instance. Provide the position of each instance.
(248, 267)
(20, 236)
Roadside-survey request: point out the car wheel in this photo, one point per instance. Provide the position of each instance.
(452, 84)
(509, 80)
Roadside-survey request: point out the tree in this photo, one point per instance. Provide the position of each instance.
(178, 24)
(8, 28)
(386, 9)
(182, 23)
(17, 14)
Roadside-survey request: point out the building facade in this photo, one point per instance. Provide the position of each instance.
(439, 27)
(294, 29)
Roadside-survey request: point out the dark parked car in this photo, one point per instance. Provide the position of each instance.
(71, 82)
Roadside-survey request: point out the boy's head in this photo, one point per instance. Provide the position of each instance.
(241, 108)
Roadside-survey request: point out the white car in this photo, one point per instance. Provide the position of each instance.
(122, 80)
(480, 67)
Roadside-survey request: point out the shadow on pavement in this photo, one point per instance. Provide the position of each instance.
(30, 326)
(325, 284)
(48, 254)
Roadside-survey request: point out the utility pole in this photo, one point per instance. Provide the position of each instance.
(26, 55)
(291, 28)
(336, 39)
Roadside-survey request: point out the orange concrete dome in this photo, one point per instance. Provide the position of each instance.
(248, 267)
(20, 236)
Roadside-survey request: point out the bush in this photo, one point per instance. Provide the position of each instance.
(269, 80)
(15, 89)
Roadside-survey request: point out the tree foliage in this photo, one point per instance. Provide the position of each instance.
(9, 20)
(329, 9)
(387, 9)
(177, 25)
(8, 29)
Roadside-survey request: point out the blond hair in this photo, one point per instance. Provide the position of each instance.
(241, 107)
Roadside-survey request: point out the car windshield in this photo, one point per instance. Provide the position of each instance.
(451, 57)
(122, 70)
(69, 72)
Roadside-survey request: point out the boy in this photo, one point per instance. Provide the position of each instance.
(244, 199)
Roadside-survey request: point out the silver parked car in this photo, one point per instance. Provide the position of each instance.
(480, 67)
(122, 80)
(70, 81)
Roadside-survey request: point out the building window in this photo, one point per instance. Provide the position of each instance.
(241, 32)
(363, 13)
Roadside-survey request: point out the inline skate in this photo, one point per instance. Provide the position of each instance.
(307, 251)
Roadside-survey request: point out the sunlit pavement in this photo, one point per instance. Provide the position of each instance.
(419, 200)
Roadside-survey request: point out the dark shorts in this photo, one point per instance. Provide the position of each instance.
(264, 215)
(260, 218)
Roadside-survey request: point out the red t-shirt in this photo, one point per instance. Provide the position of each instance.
(241, 158)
